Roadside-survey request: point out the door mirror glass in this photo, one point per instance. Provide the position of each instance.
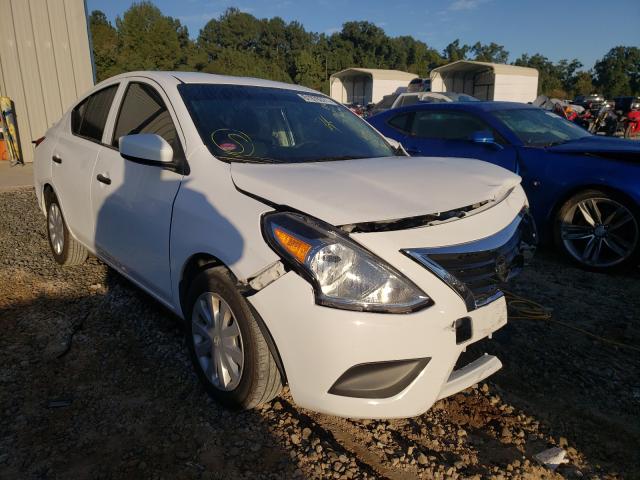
(486, 137)
(146, 147)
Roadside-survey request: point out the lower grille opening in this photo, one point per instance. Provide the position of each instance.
(378, 379)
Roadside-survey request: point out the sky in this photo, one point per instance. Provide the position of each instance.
(558, 29)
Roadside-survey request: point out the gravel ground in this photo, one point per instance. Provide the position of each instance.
(95, 383)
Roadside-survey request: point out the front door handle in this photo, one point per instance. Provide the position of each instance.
(103, 179)
(56, 159)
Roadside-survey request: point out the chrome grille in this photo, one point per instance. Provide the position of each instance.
(476, 270)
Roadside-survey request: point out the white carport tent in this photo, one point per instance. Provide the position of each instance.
(366, 85)
(487, 81)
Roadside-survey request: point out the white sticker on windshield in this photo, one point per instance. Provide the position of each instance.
(316, 99)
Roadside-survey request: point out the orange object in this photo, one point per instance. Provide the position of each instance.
(4, 153)
(296, 247)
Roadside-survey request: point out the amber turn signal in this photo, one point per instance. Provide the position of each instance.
(296, 247)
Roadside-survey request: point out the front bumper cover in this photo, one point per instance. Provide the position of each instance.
(318, 345)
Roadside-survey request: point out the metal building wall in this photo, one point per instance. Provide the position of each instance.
(45, 61)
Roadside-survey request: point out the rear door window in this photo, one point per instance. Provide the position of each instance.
(90, 116)
(144, 111)
(447, 125)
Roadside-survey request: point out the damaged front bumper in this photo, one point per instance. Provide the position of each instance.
(378, 365)
(318, 345)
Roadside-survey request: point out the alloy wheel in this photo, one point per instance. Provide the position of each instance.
(56, 228)
(599, 232)
(217, 341)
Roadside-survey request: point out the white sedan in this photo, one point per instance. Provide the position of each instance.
(298, 245)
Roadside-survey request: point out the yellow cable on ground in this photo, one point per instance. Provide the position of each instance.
(525, 309)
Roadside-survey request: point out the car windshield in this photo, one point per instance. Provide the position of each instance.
(540, 128)
(272, 125)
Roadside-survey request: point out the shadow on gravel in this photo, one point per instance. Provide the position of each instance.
(99, 386)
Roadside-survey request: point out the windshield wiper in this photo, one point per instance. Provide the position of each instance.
(249, 159)
(330, 159)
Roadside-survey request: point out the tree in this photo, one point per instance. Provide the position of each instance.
(583, 84)
(567, 72)
(618, 72)
(149, 40)
(492, 53)
(309, 70)
(454, 51)
(238, 43)
(549, 82)
(369, 42)
(104, 39)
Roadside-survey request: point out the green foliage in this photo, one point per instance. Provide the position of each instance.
(149, 40)
(454, 51)
(618, 72)
(548, 76)
(492, 53)
(105, 45)
(583, 84)
(237, 43)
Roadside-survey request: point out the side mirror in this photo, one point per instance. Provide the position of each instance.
(486, 137)
(392, 142)
(146, 148)
(397, 147)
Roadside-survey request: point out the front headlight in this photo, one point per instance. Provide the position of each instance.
(343, 274)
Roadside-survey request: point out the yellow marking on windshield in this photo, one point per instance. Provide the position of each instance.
(329, 124)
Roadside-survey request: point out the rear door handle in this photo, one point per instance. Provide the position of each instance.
(56, 159)
(103, 179)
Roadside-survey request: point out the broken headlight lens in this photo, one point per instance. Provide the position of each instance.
(343, 274)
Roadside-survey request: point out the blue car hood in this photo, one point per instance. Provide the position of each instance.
(607, 147)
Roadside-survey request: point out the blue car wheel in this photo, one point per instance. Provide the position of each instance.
(599, 231)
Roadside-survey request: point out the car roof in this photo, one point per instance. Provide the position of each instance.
(172, 78)
(482, 106)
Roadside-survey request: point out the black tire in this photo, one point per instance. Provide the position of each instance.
(260, 379)
(629, 135)
(71, 252)
(608, 262)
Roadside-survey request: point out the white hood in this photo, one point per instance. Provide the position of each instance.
(375, 189)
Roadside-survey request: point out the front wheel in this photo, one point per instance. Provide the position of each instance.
(66, 250)
(599, 231)
(226, 345)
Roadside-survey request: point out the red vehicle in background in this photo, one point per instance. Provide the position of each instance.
(629, 110)
(632, 124)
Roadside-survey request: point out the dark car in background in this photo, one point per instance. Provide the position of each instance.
(594, 100)
(584, 189)
(626, 104)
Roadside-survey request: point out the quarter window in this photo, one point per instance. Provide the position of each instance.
(144, 111)
(89, 117)
(401, 122)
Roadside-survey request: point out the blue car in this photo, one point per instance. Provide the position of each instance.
(584, 189)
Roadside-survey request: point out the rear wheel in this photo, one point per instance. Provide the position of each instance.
(66, 250)
(227, 347)
(599, 231)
